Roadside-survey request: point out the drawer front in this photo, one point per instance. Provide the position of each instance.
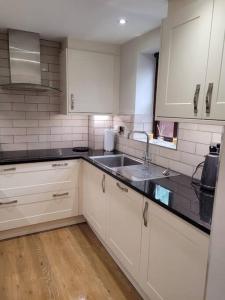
(38, 175)
(36, 189)
(38, 166)
(32, 209)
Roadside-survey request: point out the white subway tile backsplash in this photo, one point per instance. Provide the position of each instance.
(25, 139)
(5, 106)
(186, 146)
(202, 149)
(191, 159)
(195, 136)
(11, 98)
(61, 130)
(48, 107)
(216, 138)
(44, 115)
(37, 99)
(80, 143)
(12, 131)
(39, 145)
(37, 130)
(6, 139)
(67, 144)
(188, 126)
(50, 138)
(210, 128)
(12, 115)
(25, 123)
(6, 123)
(181, 167)
(24, 107)
(50, 123)
(13, 147)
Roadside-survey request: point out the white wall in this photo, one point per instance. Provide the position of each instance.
(148, 43)
(216, 273)
(145, 84)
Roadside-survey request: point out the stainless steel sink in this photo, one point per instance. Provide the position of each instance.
(116, 161)
(145, 172)
(132, 168)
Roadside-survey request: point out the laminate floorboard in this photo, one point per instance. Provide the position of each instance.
(63, 264)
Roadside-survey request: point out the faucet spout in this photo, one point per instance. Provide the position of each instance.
(146, 157)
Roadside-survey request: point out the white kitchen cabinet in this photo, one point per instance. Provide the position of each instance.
(183, 60)
(216, 67)
(90, 81)
(34, 193)
(173, 258)
(94, 198)
(124, 223)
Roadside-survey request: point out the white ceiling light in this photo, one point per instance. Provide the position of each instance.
(122, 21)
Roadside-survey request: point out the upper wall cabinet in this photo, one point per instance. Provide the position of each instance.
(192, 63)
(183, 60)
(89, 81)
(214, 106)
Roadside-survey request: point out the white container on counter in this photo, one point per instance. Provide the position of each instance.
(109, 139)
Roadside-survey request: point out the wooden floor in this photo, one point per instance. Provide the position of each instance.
(63, 264)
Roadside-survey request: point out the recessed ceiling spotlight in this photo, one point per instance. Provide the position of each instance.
(122, 21)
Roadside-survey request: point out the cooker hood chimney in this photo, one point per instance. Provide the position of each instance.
(24, 59)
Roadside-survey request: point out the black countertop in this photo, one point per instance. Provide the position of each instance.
(175, 194)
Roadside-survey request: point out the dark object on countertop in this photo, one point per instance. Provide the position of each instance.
(80, 149)
(210, 169)
(121, 130)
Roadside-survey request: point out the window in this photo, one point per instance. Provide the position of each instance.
(166, 131)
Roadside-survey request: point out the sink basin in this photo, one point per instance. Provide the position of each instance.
(143, 172)
(116, 161)
(131, 168)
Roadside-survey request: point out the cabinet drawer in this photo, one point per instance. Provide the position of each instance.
(35, 174)
(38, 166)
(31, 209)
(36, 189)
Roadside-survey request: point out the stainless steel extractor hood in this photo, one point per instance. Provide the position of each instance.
(24, 59)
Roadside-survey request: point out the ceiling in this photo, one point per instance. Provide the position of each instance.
(83, 19)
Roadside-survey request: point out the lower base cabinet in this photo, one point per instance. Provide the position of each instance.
(34, 193)
(124, 223)
(94, 198)
(173, 258)
(166, 256)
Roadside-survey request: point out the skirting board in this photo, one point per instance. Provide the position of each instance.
(16, 232)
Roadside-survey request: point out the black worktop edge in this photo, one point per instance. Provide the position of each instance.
(122, 180)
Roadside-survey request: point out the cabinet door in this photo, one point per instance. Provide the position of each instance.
(124, 219)
(94, 198)
(91, 81)
(183, 60)
(216, 66)
(174, 257)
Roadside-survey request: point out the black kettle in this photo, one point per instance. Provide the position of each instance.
(210, 169)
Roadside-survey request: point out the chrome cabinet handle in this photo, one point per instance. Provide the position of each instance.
(103, 183)
(7, 203)
(60, 195)
(72, 98)
(196, 96)
(145, 212)
(60, 165)
(208, 99)
(9, 169)
(122, 188)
